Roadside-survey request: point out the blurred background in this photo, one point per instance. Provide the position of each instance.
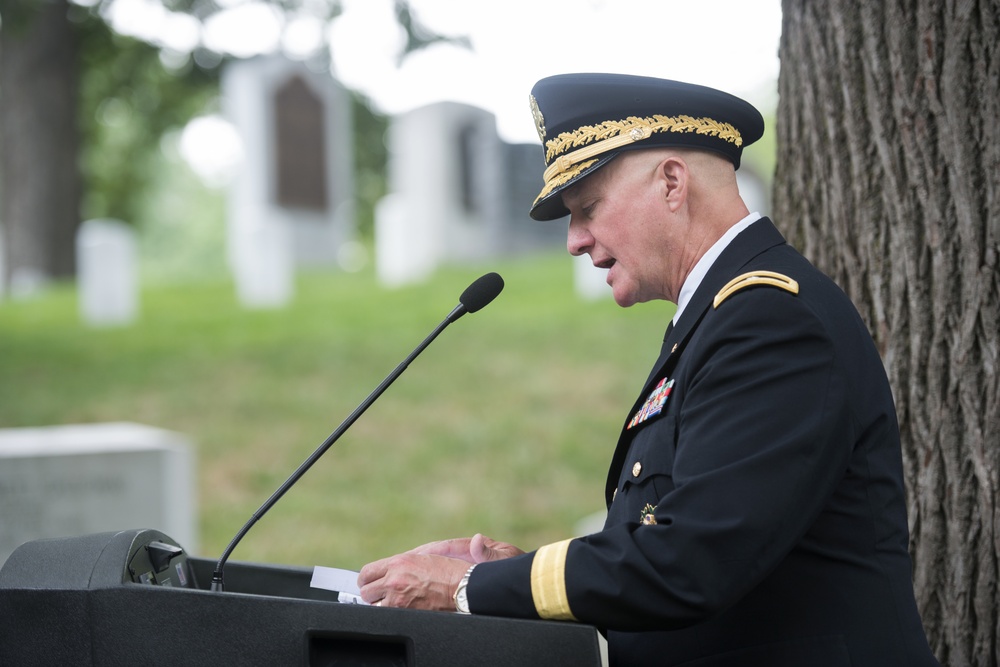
(230, 220)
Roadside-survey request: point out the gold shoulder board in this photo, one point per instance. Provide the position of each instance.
(755, 278)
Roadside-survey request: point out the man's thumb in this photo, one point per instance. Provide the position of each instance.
(484, 549)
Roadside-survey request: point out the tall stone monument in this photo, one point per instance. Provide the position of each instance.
(457, 194)
(291, 201)
(445, 176)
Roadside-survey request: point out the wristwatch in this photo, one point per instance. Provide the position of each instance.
(461, 593)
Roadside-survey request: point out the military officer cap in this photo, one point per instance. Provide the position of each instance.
(585, 120)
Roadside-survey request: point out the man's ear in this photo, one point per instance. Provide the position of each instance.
(673, 175)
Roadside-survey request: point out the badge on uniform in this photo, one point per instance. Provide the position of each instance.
(654, 404)
(647, 515)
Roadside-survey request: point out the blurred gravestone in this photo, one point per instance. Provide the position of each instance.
(266, 274)
(61, 481)
(107, 280)
(458, 194)
(590, 282)
(524, 168)
(291, 201)
(403, 254)
(445, 177)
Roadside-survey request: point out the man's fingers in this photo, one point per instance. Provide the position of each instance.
(373, 572)
(412, 580)
(455, 548)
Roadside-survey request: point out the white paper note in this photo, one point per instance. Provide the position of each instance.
(344, 582)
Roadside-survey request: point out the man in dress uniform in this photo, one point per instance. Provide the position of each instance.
(756, 510)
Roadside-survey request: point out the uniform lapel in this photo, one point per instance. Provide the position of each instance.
(754, 240)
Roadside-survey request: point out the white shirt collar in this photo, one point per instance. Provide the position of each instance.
(700, 269)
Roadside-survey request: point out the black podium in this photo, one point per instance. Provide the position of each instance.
(136, 598)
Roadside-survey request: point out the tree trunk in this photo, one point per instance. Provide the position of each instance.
(889, 180)
(40, 186)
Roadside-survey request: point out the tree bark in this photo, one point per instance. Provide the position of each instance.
(888, 178)
(40, 183)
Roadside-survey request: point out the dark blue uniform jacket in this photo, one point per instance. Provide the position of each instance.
(756, 510)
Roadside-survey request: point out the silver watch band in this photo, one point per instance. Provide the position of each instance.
(461, 596)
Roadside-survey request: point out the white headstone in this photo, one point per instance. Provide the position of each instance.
(297, 168)
(107, 280)
(589, 281)
(62, 481)
(263, 266)
(403, 255)
(446, 166)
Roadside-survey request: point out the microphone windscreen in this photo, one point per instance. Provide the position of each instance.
(480, 293)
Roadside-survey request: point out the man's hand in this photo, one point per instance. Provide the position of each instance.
(426, 577)
(416, 581)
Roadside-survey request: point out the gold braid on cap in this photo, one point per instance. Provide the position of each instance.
(612, 134)
(565, 177)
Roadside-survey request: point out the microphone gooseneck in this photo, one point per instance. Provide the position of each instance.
(476, 296)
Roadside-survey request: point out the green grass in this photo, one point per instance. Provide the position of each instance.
(505, 425)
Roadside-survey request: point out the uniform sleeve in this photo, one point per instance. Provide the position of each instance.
(763, 436)
(529, 586)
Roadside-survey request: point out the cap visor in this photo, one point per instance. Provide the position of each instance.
(551, 207)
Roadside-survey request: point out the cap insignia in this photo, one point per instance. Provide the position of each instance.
(536, 114)
(755, 278)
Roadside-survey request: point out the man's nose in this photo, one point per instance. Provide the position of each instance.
(578, 239)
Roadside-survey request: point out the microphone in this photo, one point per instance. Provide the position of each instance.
(476, 296)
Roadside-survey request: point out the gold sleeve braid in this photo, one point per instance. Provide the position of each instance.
(548, 582)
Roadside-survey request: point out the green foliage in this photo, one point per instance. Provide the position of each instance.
(128, 101)
(370, 160)
(505, 425)
(15, 15)
(183, 223)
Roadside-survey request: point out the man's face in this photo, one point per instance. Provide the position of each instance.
(619, 216)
